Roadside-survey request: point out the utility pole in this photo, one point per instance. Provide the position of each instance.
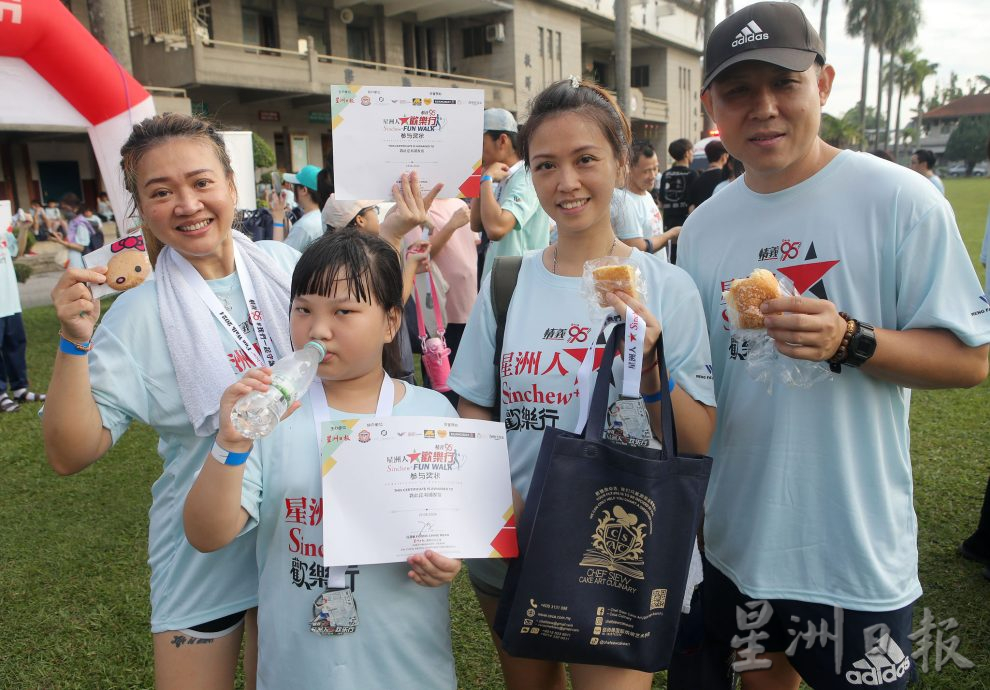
(709, 26)
(623, 55)
(108, 23)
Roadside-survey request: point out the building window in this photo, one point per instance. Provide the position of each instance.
(313, 22)
(419, 46)
(258, 21)
(360, 42)
(475, 43)
(599, 71)
(640, 76)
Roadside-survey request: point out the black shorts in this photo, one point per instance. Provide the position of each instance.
(220, 627)
(831, 647)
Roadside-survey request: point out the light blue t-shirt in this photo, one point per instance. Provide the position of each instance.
(544, 346)
(811, 492)
(937, 181)
(636, 216)
(517, 195)
(133, 378)
(307, 230)
(10, 299)
(403, 634)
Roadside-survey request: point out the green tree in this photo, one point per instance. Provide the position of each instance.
(841, 132)
(264, 156)
(902, 30)
(968, 141)
(858, 19)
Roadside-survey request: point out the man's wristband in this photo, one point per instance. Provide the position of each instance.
(649, 245)
(278, 225)
(226, 457)
(487, 178)
(72, 348)
(656, 397)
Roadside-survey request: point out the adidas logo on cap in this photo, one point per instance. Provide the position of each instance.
(750, 33)
(883, 664)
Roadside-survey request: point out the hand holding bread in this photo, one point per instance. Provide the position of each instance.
(746, 295)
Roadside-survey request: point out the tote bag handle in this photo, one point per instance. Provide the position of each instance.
(599, 397)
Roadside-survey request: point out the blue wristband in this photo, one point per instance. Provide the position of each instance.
(487, 178)
(278, 225)
(71, 348)
(655, 397)
(226, 457)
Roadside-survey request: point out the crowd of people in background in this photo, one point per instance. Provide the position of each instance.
(809, 511)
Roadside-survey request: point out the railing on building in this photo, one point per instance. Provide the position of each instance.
(165, 19)
(365, 64)
(166, 91)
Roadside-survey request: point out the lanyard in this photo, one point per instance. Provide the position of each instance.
(321, 413)
(632, 363)
(195, 282)
(633, 350)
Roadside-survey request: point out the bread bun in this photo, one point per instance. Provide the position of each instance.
(745, 296)
(612, 278)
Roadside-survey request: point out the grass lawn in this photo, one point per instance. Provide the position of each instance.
(73, 579)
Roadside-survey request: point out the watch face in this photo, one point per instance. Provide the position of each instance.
(862, 345)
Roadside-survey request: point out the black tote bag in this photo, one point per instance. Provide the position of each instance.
(605, 543)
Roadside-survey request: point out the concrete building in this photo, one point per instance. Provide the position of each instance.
(267, 65)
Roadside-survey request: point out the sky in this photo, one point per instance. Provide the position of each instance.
(952, 34)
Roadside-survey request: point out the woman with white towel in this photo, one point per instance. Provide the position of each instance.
(163, 354)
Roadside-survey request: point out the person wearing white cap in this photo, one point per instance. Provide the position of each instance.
(809, 519)
(309, 228)
(507, 209)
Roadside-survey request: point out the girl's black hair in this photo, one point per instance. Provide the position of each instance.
(370, 269)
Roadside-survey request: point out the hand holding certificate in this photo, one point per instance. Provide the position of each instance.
(397, 486)
(380, 132)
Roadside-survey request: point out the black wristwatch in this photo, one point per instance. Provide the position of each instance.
(862, 345)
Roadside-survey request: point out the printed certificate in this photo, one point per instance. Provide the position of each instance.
(396, 486)
(380, 132)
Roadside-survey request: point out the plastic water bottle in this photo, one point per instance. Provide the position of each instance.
(256, 414)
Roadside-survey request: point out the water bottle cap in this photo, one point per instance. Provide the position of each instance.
(318, 346)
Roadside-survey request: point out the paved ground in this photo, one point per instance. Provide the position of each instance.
(47, 264)
(37, 290)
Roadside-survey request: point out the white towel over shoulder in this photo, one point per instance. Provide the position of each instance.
(194, 343)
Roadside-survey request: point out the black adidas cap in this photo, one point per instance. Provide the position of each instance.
(774, 32)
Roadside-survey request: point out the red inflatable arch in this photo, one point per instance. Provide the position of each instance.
(57, 74)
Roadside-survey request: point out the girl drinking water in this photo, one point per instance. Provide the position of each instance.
(576, 143)
(346, 294)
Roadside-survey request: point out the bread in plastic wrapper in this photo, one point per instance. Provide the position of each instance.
(610, 274)
(764, 362)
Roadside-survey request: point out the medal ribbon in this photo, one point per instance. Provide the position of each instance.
(633, 365)
(195, 282)
(633, 351)
(321, 413)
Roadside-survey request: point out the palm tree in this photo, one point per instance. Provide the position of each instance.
(921, 70)
(905, 84)
(822, 25)
(858, 19)
(729, 7)
(982, 83)
(901, 30)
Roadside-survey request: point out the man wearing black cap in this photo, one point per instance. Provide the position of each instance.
(809, 517)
